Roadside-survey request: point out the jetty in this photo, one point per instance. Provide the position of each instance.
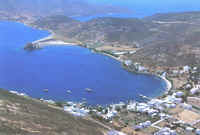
(46, 41)
(50, 40)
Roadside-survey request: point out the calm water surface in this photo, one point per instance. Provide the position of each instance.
(66, 68)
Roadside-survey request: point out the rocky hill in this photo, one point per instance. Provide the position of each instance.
(25, 116)
(55, 7)
(164, 39)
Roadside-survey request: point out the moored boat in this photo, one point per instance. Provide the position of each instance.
(88, 90)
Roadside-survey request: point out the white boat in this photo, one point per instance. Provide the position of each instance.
(88, 90)
(144, 97)
(84, 99)
(69, 91)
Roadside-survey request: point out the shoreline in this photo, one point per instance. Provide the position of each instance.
(43, 43)
(168, 84)
(63, 43)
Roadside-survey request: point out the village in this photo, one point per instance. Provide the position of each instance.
(176, 112)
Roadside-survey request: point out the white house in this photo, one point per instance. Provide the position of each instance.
(170, 105)
(179, 94)
(115, 133)
(141, 68)
(166, 131)
(189, 129)
(173, 99)
(128, 62)
(186, 69)
(131, 107)
(76, 111)
(195, 90)
(143, 125)
(186, 106)
(197, 131)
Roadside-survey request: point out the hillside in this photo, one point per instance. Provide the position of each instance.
(55, 7)
(24, 116)
(170, 39)
(164, 39)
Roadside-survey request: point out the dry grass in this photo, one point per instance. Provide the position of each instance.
(23, 116)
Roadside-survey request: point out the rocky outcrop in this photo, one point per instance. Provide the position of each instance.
(31, 47)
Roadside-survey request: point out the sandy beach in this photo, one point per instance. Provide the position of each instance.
(168, 83)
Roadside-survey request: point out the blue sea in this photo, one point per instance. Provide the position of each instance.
(62, 68)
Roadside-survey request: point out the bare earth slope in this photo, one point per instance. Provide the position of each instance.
(23, 116)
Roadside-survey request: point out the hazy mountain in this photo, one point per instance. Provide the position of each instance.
(52, 7)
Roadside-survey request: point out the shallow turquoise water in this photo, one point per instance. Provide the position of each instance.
(65, 68)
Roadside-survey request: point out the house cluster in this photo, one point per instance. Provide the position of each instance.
(107, 113)
(76, 109)
(195, 89)
(136, 66)
(154, 106)
(157, 108)
(166, 131)
(113, 132)
(112, 111)
(142, 125)
(182, 70)
(18, 93)
(48, 101)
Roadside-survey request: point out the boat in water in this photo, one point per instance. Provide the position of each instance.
(144, 97)
(45, 90)
(88, 90)
(69, 91)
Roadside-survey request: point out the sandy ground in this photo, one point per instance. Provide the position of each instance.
(188, 116)
(178, 82)
(168, 83)
(54, 43)
(51, 40)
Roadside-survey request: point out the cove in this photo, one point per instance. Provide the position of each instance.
(62, 68)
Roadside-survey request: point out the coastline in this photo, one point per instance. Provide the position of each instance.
(168, 84)
(43, 42)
